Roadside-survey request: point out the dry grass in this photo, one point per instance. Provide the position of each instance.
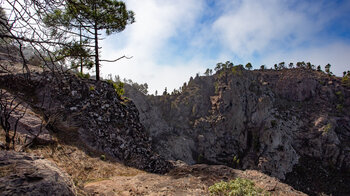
(9, 67)
(7, 170)
(80, 162)
(83, 165)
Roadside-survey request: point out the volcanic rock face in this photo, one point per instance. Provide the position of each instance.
(24, 174)
(93, 111)
(265, 120)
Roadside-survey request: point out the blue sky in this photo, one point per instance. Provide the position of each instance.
(172, 40)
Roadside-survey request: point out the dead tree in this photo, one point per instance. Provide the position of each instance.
(22, 27)
(8, 107)
(25, 24)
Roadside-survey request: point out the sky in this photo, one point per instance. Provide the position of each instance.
(173, 40)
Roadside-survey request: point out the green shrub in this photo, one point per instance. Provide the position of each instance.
(237, 187)
(216, 87)
(91, 88)
(235, 161)
(103, 157)
(83, 76)
(327, 128)
(237, 70)
(340, 95)
(345, 81)
(118, 87)
(110, 81)
(340, 107)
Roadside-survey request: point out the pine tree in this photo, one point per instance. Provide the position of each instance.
(94, 16)
(249, 66)
(207, 72)
(327, 68)
(319, 68)
(281, 65)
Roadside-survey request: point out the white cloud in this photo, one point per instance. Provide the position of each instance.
(257, 31)
(146, 39)
(256, 26)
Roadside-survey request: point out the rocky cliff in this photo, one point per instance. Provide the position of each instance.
(283, 123)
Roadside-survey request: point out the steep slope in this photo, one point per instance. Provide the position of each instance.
(89, 112)
(273, 121)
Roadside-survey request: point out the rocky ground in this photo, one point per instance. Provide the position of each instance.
(185, 180)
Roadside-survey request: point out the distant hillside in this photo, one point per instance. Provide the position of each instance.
(293, 124)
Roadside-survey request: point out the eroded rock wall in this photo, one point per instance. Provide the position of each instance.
(263, 120)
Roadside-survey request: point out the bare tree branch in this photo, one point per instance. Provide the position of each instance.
(112, 61)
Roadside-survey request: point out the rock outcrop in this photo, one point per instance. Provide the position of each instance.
(25, 174)
(93, 112)
(265, 120)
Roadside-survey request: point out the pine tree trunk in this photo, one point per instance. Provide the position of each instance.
(81, 58)
(97, 61)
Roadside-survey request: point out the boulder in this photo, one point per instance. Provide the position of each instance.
(25, 174)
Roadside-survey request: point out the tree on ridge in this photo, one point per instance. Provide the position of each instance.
(93, 16)
(249, 66)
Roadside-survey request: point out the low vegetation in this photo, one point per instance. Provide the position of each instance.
(236, 187)
(327, 128)
(83, 76)
(118, 87)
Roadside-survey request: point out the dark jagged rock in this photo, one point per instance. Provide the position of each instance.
(102, 119)
(25, 174)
